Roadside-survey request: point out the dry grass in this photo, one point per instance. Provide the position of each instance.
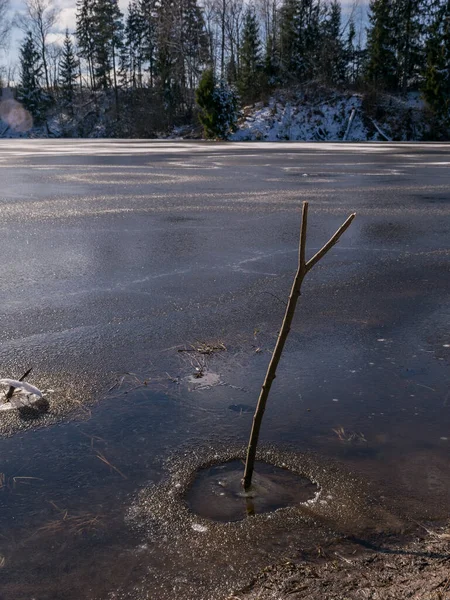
(92, 438)
(73, 523)
(349, 436)
(11, 483)
(205, 348)
(198, 356)
(129, 382)
(443, 535)
(104, 460)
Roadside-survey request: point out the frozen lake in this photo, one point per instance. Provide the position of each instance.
(124, 263)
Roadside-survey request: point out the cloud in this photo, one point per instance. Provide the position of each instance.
(67, 19)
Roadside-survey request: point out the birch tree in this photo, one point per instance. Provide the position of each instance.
(4, 23)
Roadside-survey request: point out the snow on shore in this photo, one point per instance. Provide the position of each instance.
(325, 115)
(320, 121)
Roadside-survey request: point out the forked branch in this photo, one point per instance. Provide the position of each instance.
(303, 268)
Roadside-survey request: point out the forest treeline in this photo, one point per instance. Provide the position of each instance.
(171, 62)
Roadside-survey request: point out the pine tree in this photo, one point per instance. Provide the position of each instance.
(124, 74)
(250, 72)
(68, 71)
(31, 94)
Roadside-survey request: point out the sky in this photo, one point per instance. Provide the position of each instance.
(67, 20)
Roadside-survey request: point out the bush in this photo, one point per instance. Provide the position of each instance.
(218, 107)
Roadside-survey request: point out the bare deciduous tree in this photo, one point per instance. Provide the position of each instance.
(54, 52)
(268, 11)
(223, 22)
(210, 16)
(233, 25)
(39, 18)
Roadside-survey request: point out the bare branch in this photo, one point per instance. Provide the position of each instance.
(315, 259)
(302, 252)
(4, 23)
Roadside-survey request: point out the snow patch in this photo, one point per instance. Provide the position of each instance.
(302, 119)
(199, 528)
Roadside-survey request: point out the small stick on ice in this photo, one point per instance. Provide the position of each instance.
(10, 392)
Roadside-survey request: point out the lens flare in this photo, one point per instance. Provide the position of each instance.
(15, 115)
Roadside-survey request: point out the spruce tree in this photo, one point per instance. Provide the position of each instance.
(300, 38)
(194, 42)
(68, 71)
(271, 60)
(181, 54)
(85, 35)
(382, 66)
(107, 39)
(135, 28)
(250, 72)
(331, 65)
(409, 19)
(148, 10)
(308, 38)
(166, 63)
(351, 54)
(288, 37)
(31, 94)
(436, 84)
